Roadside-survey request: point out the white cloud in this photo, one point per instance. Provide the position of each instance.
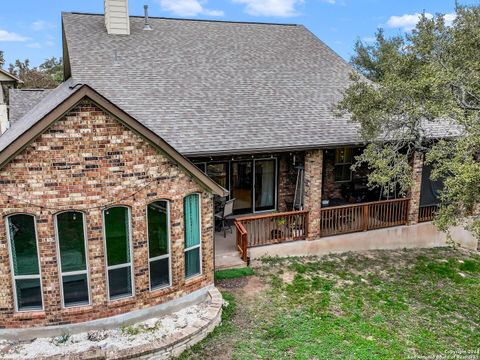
(35, 45)
(40, 25)
(9, 36)
(333, 2)
(449, 18)
(188, 8)
(49, 43)
(278, 8)
(408, 21)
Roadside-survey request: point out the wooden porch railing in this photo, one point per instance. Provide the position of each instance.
(242, 240)
(427, 213)
(268, 229)
(363, 217)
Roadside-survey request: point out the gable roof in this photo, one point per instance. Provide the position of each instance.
(11, 77)
(213, 87)
(22, 101)
(61, 100)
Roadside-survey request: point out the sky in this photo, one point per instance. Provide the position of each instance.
(32, 28)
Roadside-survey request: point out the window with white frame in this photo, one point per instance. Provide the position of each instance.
(158, 223)
(25, 265)
(192, 231)
(118, 252)
(72, 249)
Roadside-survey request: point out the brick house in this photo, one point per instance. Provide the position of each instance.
(108, 182)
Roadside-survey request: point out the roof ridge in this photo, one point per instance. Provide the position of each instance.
(187, 19)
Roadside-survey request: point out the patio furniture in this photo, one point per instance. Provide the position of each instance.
(219, 203)
(222, 217)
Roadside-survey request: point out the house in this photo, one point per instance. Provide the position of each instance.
(7, 82)
(108, 182)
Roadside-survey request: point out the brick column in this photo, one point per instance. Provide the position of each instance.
(414, 207)
(313, 191)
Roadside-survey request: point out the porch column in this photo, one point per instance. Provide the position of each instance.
(313, 191)
(414, 207)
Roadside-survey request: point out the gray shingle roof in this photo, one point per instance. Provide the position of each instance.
(54, 98)
(213, 87)
(23, 100)
(209, 87)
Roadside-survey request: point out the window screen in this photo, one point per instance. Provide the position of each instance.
(191, 207)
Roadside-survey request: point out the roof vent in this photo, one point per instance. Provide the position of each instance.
(147, 25)
(117, 21)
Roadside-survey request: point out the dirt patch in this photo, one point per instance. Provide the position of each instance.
(288, 277)
(254, 286)
(232, 283)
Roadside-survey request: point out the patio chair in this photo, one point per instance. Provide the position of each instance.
(222, 217)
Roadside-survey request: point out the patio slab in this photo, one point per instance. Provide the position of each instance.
(226, 254)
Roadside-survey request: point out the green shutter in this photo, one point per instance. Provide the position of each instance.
(192, 220)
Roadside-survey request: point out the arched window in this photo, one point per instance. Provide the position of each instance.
(22, 237)
(192, 231)
(72, 249)
(118, 252)
(158, 223)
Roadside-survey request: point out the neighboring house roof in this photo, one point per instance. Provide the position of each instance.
(23, 100)
(61, 100)
(6, 76)
(215, 87)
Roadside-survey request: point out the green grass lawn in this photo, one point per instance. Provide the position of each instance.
(233, 273)
(374, 305)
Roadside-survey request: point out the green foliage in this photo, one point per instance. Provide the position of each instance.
(61, 339)
(48, 75)
(2, 59)
(130, 330)
(390, 169)
(233, 273)
(411, 84)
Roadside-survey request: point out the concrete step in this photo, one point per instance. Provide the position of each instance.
(228, 261)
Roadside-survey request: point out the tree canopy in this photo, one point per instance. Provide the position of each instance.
(47, 75)
(405, 87)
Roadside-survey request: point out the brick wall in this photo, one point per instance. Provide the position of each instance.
(88, 159)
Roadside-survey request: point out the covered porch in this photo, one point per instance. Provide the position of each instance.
(309, 195)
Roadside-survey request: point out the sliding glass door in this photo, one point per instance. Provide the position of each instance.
(241, 186)
(252, 183)
(265, 185)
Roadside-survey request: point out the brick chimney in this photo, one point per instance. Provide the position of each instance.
(117, 21)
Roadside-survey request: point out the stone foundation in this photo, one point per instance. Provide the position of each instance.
(162, 348)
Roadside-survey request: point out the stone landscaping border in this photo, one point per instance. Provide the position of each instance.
(164, 348)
